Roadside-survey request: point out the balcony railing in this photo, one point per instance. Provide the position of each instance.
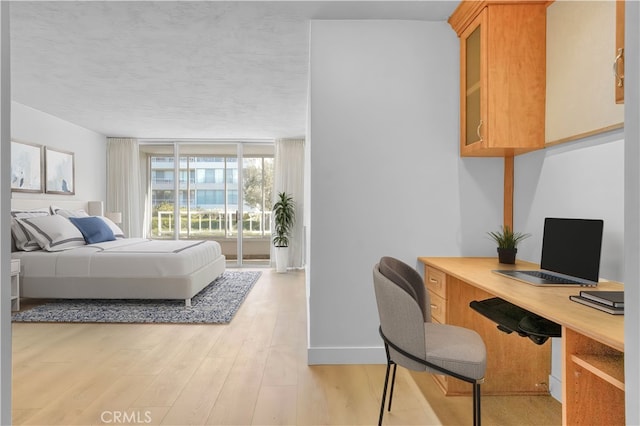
(212, 223)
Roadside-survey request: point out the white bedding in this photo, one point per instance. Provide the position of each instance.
(130, 257)
(132, 268)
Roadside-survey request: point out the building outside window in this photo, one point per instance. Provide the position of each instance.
(212, 193)
(209, 190)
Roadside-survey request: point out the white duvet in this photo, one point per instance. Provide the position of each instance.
(130, 257)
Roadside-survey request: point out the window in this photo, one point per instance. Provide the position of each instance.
(162, 176)
(233, 197)
(205, 176)
(212, 198)
(183, 176)
(208, 195)
(232, 174)
(161, 197)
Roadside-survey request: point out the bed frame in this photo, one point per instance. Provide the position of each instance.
(168, 287)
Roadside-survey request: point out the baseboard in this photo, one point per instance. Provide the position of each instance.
(346, 355)
(555, 387)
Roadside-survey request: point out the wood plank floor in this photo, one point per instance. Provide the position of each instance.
(252, 371)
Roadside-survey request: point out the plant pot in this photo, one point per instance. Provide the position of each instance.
(282, 259)
(507, 255)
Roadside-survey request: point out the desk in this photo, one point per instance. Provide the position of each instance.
(592, 341)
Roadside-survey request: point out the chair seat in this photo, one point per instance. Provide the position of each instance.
(456, 349)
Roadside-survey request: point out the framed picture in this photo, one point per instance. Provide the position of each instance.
(26, 167)
(59, 171)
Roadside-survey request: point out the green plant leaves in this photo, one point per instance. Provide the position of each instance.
(506, 238)
(284, 216)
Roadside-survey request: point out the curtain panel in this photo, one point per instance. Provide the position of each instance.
(124, 184)
(289, 177)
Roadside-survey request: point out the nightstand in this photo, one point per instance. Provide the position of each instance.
(15, 284)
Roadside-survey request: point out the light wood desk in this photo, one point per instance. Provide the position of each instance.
(592, 341)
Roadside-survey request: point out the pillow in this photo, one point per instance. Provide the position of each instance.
(22, 238)
(94, 229)
(53, 233)
(68, 213)
(117, 232)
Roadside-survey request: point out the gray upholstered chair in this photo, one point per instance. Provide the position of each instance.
(414, 342)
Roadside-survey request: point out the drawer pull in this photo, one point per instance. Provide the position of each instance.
(433, 280)
(434, 306)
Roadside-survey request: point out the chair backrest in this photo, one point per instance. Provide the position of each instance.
(401, 319)
(409, 279)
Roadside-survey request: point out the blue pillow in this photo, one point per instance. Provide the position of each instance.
(93, 229)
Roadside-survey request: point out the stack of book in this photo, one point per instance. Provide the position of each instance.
(608, 301)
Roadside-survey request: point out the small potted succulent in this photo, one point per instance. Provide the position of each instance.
(507, 241)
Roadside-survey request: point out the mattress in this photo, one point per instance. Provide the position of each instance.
(132, 268)
(129, 257)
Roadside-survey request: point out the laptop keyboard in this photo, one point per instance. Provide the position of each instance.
(550, 277)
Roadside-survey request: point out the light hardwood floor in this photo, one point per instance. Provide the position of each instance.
(251, 371)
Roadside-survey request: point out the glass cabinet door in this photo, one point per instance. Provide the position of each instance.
(473, 88)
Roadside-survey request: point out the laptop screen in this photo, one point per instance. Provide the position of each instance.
(572, 247)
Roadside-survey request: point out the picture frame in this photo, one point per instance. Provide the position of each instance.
(26, 167)
(59, 171)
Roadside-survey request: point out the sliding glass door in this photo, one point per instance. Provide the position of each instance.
(223, 193)
(257, 187)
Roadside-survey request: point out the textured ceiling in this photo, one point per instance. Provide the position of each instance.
(177, 69)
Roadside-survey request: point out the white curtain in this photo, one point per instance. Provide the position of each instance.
(289, 177)
(124, 186)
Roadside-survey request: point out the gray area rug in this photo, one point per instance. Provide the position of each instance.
(215, 304)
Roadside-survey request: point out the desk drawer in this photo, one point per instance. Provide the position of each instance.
(436, 281)
(438, 308)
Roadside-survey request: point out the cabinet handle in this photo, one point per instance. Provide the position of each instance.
(478, 131)
(619, 78)
(434, 306)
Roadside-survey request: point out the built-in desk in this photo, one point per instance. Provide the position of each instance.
(592, 341)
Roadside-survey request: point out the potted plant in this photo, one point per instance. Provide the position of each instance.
(283, 217)
(507, 241)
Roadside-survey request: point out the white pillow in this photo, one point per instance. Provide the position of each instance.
(68, 213)
(54, 233)
(21, 237)
(117, 232)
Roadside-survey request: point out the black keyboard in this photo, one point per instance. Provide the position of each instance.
(549, 277)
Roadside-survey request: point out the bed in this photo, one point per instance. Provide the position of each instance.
(120, 268)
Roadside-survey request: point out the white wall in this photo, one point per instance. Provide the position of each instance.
(632, 213)
(5, 204)
(89, 148)
(583, 179)
(385, 175)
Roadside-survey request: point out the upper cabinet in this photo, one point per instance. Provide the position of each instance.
(618, 66)
(502, 76)
(581, 70)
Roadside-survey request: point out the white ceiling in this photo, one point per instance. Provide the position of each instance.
(177, 69)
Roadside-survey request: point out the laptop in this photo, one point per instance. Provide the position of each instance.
(570, 254)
